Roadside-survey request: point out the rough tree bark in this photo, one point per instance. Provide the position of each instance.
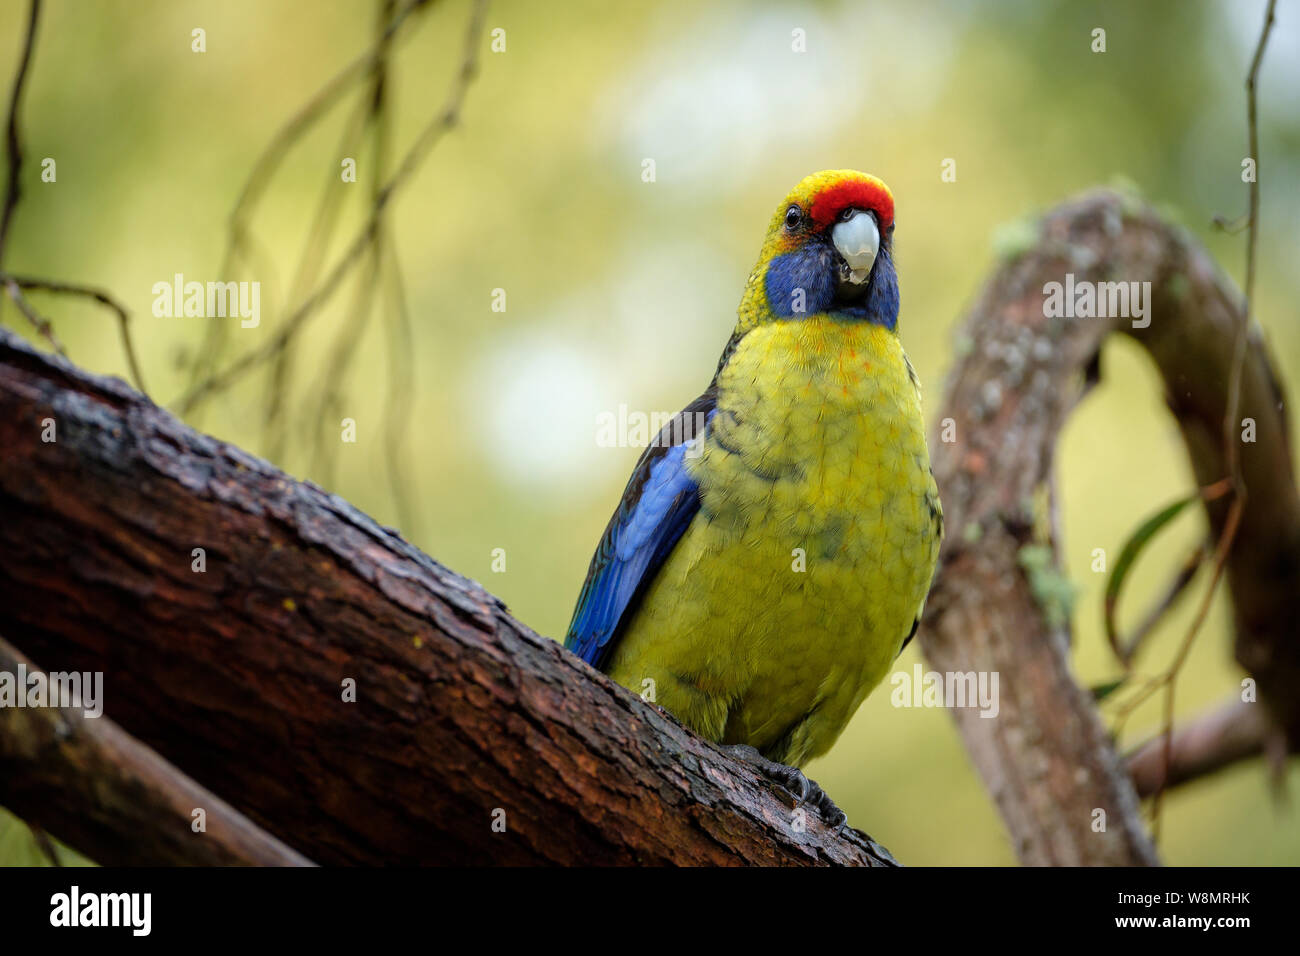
(235, 673)
(1047, 759)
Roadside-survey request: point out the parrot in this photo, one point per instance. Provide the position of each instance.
(772, 552)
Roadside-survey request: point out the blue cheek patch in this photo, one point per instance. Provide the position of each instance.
(800, 278)
(882, 297)
(807, 277)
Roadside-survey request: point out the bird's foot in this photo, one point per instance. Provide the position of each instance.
(793, 781)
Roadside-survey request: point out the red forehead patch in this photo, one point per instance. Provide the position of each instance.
(862, 193)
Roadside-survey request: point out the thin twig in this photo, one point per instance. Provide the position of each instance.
(330, 392)
(331, 384)
(307, 274)
(444, 120)
(397, 406)
(1232, 450)
(1177, 587)
(1125, 650)
(42, 324)
(264, 168)
(1252, 241)
(13, 192)
(97, 295)
(1230, 527)
(1149, 686)
(325, 98)
(236, 370)
(13, 143)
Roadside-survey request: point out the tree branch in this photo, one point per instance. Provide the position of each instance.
(1210, 743)
(1047, 758)
(113, 798)
(236, 674)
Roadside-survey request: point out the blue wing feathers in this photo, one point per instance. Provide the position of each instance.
(657, 507)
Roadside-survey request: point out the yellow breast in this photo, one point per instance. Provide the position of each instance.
(789, 596)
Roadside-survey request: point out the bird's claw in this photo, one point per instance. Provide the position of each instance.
(833, 816)
(794, 782)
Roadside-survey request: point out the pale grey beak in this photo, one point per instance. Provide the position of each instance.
(857, 240)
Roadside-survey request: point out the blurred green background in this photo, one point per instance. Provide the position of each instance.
(623, 292)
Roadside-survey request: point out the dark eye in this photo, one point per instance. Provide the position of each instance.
(847, 213)
(793, 216)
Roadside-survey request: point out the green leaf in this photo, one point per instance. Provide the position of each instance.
(1128, 556)
(1101, 691)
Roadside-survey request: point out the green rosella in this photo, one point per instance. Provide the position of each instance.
(774, 547)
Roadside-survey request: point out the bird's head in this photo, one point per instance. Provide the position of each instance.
(829, 249)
